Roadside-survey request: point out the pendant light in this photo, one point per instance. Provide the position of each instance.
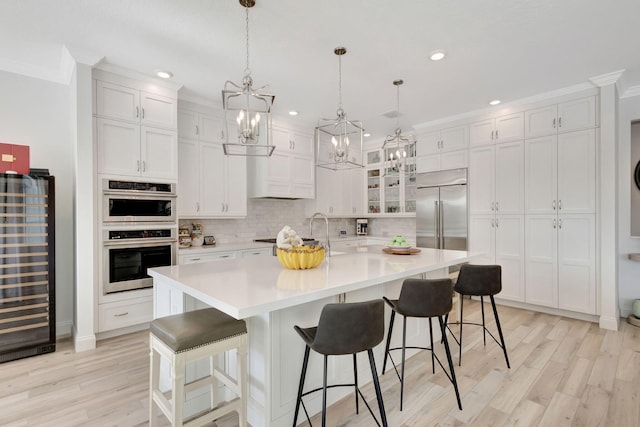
(339, 141)
(398, 146)
(249, 109)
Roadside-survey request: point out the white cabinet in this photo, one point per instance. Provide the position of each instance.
(497, 130)
(210, 184)
(128, 104)
(560, 173)
(501, 239)
(129, 149)
(339, 193)
(560, 261)
(442, 140)
(121, 314)
(564, 117)
(200, 126)
(289, 172)
(205, 257)
(443, 161)
(496, 179)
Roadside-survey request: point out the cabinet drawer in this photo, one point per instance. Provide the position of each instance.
(191, 259)
(126, 313)
(257, 252)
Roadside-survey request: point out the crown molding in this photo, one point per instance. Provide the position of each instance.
(607, 79)
(136, 75)
(631, 92)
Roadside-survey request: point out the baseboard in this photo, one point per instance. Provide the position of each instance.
(611, 323)
(83, 343)
(64, 329)
(548, 310)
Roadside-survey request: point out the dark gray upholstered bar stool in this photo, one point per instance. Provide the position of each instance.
(480, 280)
(422, 298)
(344, 329)
(192, 336)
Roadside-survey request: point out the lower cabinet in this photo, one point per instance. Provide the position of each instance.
(560, 262)
(501, 239)
(121, 314)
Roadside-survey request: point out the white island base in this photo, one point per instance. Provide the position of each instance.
(272, 300)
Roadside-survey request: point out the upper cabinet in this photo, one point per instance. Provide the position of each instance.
(443, 140)
(289, 172)
(564, 117)
(201, 126)
(497, 130)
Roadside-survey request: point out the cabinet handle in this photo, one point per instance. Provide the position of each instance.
(559, 204)
(560, 223)
(197, 206)
(554, 223)
(137, 112)
(493, 222)
(493, 206)
(554, 123)
(560, 121)
(121, 314)
(492, 132)
(496, 133)
(554, 205)
(497, 223)
(197, 130)
(138, 166)
(222, 135)
(497, 206)
(222, 206)
(195, 259)
(144, 166)
(143, 113)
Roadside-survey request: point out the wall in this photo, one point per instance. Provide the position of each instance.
(36, 113)
(628, 271)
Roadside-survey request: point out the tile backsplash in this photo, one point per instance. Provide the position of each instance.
(266, 217)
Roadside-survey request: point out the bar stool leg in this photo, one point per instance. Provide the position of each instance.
(355, 380)
(504, 347)
(386, 351)
(154, 380)
(433, 367)
(303, 374)
(404, 344)
(376, 385)
(484, 328)
(450, 361)
(242, 377)
(460, 340)
(324, 392)
(177, 387)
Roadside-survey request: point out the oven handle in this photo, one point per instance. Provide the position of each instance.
(136, 194)
(138, 242)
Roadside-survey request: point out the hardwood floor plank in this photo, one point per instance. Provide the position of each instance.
(577, 376)
(624, 405)
(593, 408)
(526, 414)
(514, 388)
(604, 369)
(561, 410)
(547, 383)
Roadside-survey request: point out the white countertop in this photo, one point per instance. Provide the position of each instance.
(247, 287)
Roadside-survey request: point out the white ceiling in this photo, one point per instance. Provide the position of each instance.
(496, 49)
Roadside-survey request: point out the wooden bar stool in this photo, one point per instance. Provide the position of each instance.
(188, 337)
(422, 298)
(344, 329)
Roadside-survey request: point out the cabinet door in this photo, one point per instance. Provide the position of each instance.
(482, 180)
(188, 124)
(577, 172)
(159, 153)
(428, 163)
(326, 192)
(118, 147)
(482, 133)
(482, 237)
(280, 138)
(509, 243)
(540, 175)
(117, 102)
(510, 128)
(509, 178)
(235, 185)
(211, 128)
(188, 178)
(303, 144)
(455, 138)
(302, 176)
(541, 266)
(374, 191)
(158, 111)
(454, 159)
(279, 173)
(212, 176)
(576, 263)
(357, 191)
(540, 122)
(576, 115)
(428, 143)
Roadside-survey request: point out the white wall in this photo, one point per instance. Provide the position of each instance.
(37, 113)
(628, 271)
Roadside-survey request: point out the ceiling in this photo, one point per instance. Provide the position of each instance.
(496, 49)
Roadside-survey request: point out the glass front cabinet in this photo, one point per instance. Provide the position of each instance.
(390, 189)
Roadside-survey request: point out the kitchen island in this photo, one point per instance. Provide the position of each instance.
(272, 299)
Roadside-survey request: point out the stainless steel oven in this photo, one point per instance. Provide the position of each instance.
(135, 202)
(128, 253)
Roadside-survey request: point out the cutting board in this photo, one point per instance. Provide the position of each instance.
(409, 251)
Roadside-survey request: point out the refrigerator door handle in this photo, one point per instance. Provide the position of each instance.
(441, 227)
(436, 223)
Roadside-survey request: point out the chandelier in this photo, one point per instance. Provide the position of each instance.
(397, 146)
(249, 109)
(339, 142)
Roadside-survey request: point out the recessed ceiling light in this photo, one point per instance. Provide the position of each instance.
(293, 113)
(164, 74)
(367, 134)
(437, 55)
(495, 102)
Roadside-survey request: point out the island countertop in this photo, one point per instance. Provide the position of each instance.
(247, 287)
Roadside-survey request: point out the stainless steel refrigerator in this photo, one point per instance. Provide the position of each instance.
(441, 209)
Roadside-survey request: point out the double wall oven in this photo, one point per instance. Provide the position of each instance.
(139, 231)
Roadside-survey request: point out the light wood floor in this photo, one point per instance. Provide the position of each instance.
(563, 372)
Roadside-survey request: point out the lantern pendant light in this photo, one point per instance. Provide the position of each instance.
(397, 146)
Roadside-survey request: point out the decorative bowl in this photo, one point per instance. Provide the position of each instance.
(301, 257)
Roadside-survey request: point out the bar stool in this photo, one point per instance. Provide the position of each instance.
(480, 280)
(422, 298)
(192, 336)
(344, 329)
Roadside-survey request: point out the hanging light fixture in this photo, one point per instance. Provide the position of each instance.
(250, 110)
(339, 141)
(398, 146)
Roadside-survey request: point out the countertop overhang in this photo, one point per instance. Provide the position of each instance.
(248, 287)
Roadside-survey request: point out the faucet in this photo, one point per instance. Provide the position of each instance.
(326, 220)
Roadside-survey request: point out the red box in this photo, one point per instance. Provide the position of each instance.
(14, 158)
